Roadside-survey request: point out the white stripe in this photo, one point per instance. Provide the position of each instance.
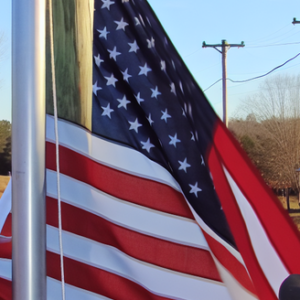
(157, 280)
(5, 205)
(202, 288)
(266, 255)
(53, 286)
(72, 292)
(112, 155)
(5, 268)
(207, 229)
(236, 291)
(134, 217)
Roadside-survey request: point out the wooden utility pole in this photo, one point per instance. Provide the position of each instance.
(298, 170)
(224, 48)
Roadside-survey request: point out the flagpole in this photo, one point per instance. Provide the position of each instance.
(28, 150)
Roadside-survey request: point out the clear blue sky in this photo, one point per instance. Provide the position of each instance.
(261, 24)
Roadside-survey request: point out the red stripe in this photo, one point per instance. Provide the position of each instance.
(5, 289)
(229, 262)
(97, 281)
(165, 254)
(238, 228)
(130, 188)
(6, 229)
(6, 249)
(279, 227)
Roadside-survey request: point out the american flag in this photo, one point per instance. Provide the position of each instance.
(159, 201)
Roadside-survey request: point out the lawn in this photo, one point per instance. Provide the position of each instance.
(3, 183)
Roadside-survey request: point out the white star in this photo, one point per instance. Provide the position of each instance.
(150, 120)
(190, 111)
(123, 102)
(107, 110)
(138, 98)
(96, 88)
(121, 24)
(165, 115)
(173, 64)
(163, 65)
(174, 140)
(142, 20)
(151, 43)
(98, 60)
(135, 125)
(193, 136)
(111, 80)
(173, 89)
(137, 21)
(133, 47)
(185, 108)
(107, 4)
(202, 161)
(147, 145)
(126, 76)
(181, 87)
(113, 53)
(149, 21)
(144, 70)
(195, 189)
(183, 165)
(103, 33)
(155, 92)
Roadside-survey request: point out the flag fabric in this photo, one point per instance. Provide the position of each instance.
(158, 199)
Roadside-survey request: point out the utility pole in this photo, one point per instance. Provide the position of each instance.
(295, 21)
(224, 48)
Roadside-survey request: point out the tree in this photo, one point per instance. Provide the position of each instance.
(5, 147)
(271, 132)
(5, 132)
(5, 158)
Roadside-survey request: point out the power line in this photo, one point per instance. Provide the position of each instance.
(274, 45)
(257, 77)
(269, 36)
(212, 84)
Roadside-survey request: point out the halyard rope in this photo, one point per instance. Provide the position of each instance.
(57, 151)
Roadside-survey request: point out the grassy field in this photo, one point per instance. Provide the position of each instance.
(293, 205)
(3, 183)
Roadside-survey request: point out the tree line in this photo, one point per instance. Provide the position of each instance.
(5, 147)
(270, 132)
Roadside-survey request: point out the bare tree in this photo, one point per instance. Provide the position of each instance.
(271, 132)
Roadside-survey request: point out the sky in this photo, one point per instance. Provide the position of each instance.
(265, 26)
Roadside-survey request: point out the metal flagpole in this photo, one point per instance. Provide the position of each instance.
(28, 150)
